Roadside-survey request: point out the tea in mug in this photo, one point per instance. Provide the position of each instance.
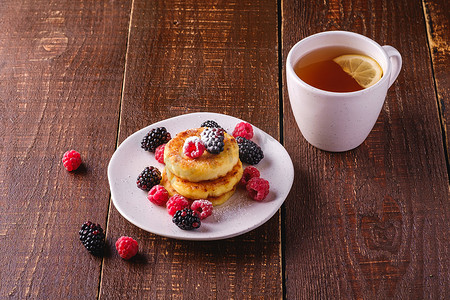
(338, 69)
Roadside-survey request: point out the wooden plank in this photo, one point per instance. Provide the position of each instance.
(437, 16)
(190, 56)
(371, 223)
(61, 70)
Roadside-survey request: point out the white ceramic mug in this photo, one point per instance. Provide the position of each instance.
(335, 121)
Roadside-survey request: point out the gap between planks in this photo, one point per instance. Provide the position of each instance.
(282, 235)
(119, 118)
(428, 26)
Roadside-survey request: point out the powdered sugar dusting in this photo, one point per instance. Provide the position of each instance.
(193, 147)
(238, 204)
(192, 139)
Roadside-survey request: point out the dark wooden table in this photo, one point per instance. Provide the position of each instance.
(371, 223)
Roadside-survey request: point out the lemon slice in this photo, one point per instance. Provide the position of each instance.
(365, 70)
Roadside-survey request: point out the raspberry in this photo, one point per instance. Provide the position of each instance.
(258, 188)
(148, 178)
(249, 152)
(186, 219)
(92, 237)
(213, 138)
(175, 203)
(159, 153)
(243, 129)
(126, 247)
(204, 208)
(158, 195)
(156, 136)
(193, 147)
(249, 173)
(71, 160)
(210, 124)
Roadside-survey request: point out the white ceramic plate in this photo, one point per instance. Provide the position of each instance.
(238, 215)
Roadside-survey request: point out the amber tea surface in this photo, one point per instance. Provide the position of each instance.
(320, 71)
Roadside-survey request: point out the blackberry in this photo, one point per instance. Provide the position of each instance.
(186, 219)
(156, 137)
(213, 138)
(148, 178)
(210, 124)
(249, 151)
(92, 237)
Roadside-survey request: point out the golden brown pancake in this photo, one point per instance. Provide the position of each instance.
(206, 167)
(214, 200)
(206, 188)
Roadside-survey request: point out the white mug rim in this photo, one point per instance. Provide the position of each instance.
(291, 72)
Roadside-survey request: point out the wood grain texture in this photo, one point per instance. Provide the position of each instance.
(190, 56)
(437, 16)
(371, 223)
(61, 70)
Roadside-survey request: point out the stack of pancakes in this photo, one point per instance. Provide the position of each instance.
(211, 176)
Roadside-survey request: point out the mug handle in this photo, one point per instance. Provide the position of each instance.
(396, 62)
